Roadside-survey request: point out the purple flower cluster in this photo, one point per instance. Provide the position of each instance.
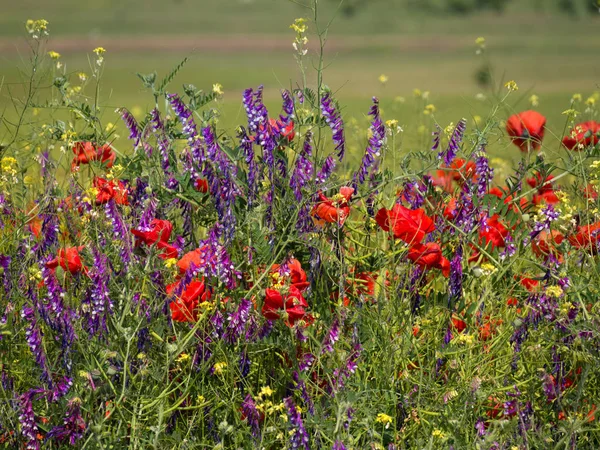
(29, 428)
(158, 127)
(299, 436)
(288, 107)
(303, 171)
(376, 141)
(132, 125)
(100, 304)
(326, 170)
(253, 175)
(485, 174)
(454, 145)
(251, 415)
(34, 335)
(237, 322)
(333, 118)
(456, 277)
(73, 426)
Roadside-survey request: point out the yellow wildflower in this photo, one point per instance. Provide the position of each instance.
(53, 55)
(511, 86)
(266, 391)
(170, 262)
(534, 100)
(217, 89)
(299, 25)
(183, 357)
(480, 42)
(384, 419)
(383, 78)
(82, 76)
(554, 291)
(576, 98)
(429, 109)
(219, 367)
(99, 51)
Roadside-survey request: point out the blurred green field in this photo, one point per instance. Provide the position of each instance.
(243, 44)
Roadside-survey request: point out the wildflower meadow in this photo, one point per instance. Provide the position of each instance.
(301, 280)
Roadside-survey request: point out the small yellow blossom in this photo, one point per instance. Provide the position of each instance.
(384, 419)
(480, 42)
(200, 399)
(392, 123)
(37, 28)
(82, 76)
(383, 79)
(511, 86)
(299, 25)
(219, 367)
(591, 101)
(99, 51)
(571, 113)
(109, 126)
(429, 109)
(477, 120)
(170, 262)
(184, 357)
(449, 129)
(53, 55)
(417, 93)
(534, 100)
(217, 89)
(554, 291)
(438, 434)
(576, 98)
(266, 391)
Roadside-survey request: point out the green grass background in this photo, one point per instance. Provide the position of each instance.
(548, 54)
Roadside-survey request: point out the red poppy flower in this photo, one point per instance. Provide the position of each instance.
(458, 324)
(184, 307)
(168, 251)
(335, 209)
(583, 135)
(195, 257)
(108, 190)
(159, 231)
(489, 328)
(291, 274)
(443, 180)
(292, 305)
(587, 237)
(512, 301)
(68, 259)
(287, 131)
(429, 256)
(545, 198)
(201, 185)
(85, 152)
(541, 185)
(526, 129)
(545, 244)
(407, 224)
(528, 283)
(463, 170)
(493, 232)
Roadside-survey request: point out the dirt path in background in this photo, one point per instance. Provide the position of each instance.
(238, 44)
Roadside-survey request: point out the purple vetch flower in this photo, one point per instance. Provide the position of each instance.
(33, 336)
(376, 141)
(101, 305)
(349, 417)
(217, 322)
(158, 127)
(148, 215)
(338, 445)
(5, 261)
(288, 107)
(306, 362)
(253, 176)
(485, 174)
(326, 170)
(301, 386)
(132, 126)
(29, 428)
(251, 415)
(266, 329)
(454, 145)
(480, 427)
(547, 215)
(341, 374)
(244, 364)
(414, 193)
(456, 277)
(466, 216)
(333, 118)
(255, 109)
(509, 247)
(437, 137)
(299, 436)
(237, 322)
(549, 387)
(120, 230)
(56, 315)
(73, 426)
(331, 338)
(303, 170)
